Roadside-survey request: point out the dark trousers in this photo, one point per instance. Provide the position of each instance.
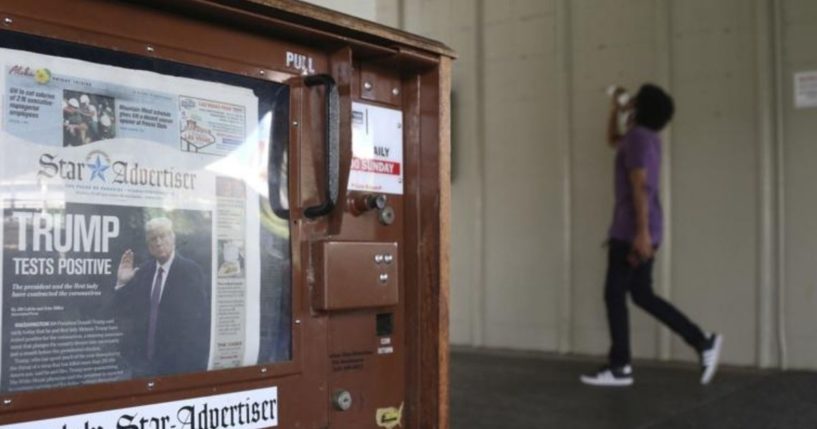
(622, 277)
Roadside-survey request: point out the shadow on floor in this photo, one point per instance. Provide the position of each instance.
(525, 390)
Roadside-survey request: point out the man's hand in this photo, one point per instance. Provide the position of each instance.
(642, 248)
(126, 271)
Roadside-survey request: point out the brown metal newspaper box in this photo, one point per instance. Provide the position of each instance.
(220, 214)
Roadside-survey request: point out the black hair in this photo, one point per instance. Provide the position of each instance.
(653, 107)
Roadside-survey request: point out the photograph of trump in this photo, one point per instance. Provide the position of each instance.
(162, 307)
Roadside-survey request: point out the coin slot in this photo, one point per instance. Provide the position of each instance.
(385, 324)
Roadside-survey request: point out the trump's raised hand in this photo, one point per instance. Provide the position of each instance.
(126, 270)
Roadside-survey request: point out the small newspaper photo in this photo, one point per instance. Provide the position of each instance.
(133, 226)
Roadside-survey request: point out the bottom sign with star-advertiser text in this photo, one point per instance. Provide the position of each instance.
(251, 409)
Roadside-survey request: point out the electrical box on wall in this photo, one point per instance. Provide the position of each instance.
(221, 214)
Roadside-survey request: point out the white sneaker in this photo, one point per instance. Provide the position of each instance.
(607, 376)
(710, 357)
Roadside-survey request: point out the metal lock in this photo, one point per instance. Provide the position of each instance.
(363, 203)
(342, 400)
(386, 215)
(378, 201)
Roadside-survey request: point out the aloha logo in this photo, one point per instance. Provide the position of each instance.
(41, 76)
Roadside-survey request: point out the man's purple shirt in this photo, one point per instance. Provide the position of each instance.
(639, 148)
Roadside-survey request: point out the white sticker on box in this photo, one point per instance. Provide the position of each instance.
(377, 149)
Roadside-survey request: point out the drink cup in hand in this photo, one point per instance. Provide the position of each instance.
(619, 94)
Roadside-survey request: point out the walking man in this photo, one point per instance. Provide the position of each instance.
(635, 236)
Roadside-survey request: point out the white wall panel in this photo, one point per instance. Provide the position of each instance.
(715, 171)
(466, 309)
(800, 160)
(522, 236)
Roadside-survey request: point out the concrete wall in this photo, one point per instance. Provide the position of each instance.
(799, 158)
(532, 176)
(365, 9)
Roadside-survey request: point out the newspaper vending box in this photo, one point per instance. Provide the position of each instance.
(220, 214)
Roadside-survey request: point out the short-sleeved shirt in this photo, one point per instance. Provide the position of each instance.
(639, 148)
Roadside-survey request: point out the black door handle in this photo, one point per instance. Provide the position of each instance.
(332, 145)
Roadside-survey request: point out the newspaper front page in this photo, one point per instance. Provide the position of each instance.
(128, 205)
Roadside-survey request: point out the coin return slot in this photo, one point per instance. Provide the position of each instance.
(385, 324)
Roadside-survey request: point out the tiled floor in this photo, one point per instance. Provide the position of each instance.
(524, 390)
